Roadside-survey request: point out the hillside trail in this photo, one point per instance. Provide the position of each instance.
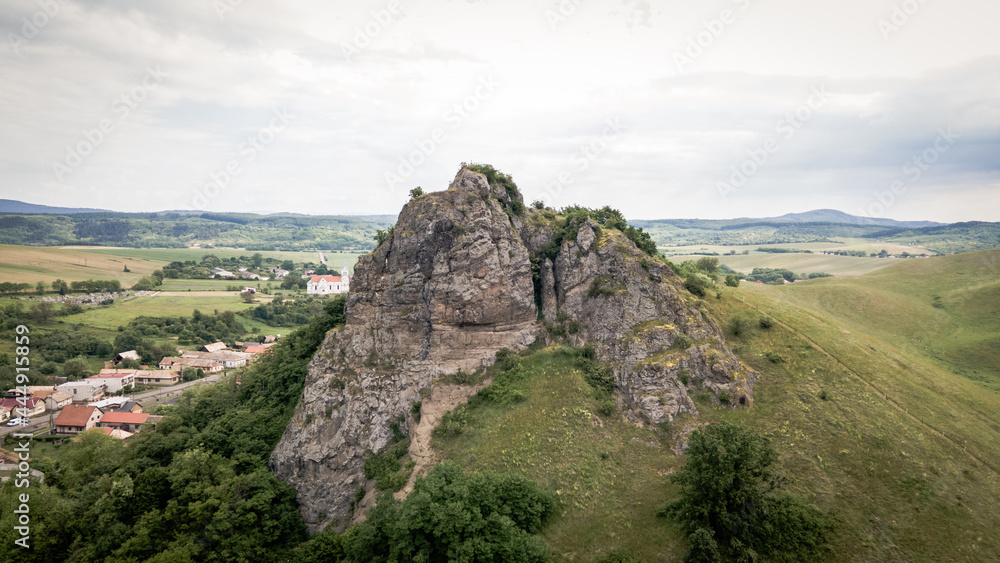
(880, 393)
(443, 398)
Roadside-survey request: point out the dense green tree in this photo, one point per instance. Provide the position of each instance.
(732, 280)
(451, 517)
(727, 487)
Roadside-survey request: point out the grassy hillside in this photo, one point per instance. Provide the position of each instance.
(180, 230)
(889, 436)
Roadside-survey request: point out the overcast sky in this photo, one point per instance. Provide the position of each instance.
(715, 109)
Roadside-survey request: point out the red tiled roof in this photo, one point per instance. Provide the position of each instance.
(75, 416)
(13, 403)
(124, 417)
(326, 278)
(256, 349)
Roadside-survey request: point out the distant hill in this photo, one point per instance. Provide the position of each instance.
(14, 206)
(834, 216)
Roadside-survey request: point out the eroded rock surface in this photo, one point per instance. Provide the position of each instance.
(451, 286)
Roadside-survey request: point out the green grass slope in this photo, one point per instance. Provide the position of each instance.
(889, 435)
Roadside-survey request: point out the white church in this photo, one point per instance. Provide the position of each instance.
(324, 285)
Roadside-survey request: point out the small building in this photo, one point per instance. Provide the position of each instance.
(214, 347)
(115, 380)
(256, 349)
(329, 284)
(130, 406)
(279, 273)
(178, 364)
(18, 407)
(77, 418)
(222, 273)
(54, 399)
(127, 421)
(109, 404)
(130, 355)
(230, 359)
(250, 290)
(158, 377)
(83, 391)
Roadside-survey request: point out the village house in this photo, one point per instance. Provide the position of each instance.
(53, 398)
(114, 380)
(83, 391)
(256, 349)
(127, 421)
(158, 377)
(130, 406)
(109, 404)
(214, 347)
(329, 284)
(222, 273)
(279, 273)
(14, 406)
(130, 355)
(76, 418)
(178, 364)
(230, 359)
(26, 391)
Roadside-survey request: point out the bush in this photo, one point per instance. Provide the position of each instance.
(695, 285)
(740, 326)
(775, 357)
(454, 422)
(702, 547)
(765, 323)
(682, 342)
(607, 408)
(732, 280)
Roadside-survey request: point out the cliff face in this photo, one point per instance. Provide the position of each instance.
(452, 285)
(449, 288)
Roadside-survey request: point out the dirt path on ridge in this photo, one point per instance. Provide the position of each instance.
(442, 398)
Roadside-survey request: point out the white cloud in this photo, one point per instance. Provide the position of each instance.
(357, 118)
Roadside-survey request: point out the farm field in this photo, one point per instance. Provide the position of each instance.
(31, 264)
(840, 244)
(801, 263)
(166, 255)
(169, 304)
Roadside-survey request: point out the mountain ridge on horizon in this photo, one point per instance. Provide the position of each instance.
(12, 206)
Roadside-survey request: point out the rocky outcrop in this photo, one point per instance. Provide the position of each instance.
(633, 310)
(459, 277)
(450, 287)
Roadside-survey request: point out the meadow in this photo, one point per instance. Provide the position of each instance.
(879, 430)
